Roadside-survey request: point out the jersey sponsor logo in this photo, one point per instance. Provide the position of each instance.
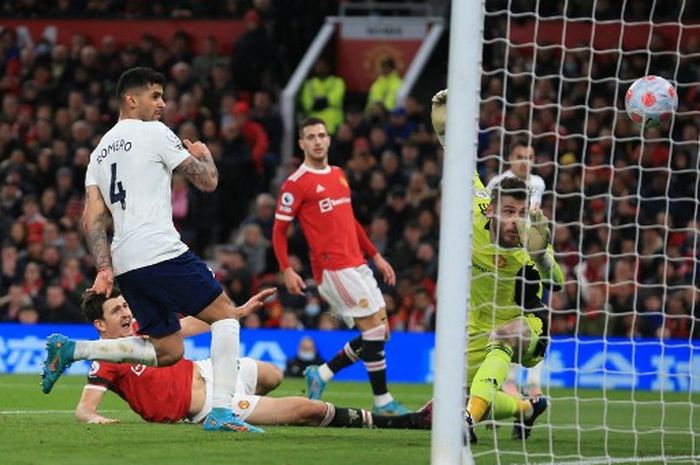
(94, 368)
(319, 188)
(243, 404)
(138, 369)
(328, 204)
(287, 199)
(114, 146)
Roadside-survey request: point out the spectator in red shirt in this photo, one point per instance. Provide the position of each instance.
(254, 135)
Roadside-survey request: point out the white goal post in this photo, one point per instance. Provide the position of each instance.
(622, 372)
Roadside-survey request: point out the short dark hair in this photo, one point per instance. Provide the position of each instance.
(310, 121)
(510, 186)
(92, 303)
(518, 141)
(138, 77)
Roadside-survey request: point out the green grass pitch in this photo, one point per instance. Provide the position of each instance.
(40, 429)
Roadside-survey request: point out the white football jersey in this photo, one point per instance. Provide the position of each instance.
(535, 186)
(133, 168)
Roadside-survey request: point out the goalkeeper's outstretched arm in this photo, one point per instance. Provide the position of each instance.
(438, 116)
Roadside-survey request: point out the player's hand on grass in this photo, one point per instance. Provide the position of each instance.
(385, 269)
(256, 302)
(536, 236)
(293, 282)
(438, 114)
(197, 149)
(104, 281)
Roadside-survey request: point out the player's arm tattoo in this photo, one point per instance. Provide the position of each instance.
(201, 172)
(96, 221)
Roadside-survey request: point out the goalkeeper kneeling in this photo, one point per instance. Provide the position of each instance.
(512, 260)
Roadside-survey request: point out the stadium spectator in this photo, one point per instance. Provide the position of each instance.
(59, 308)
(256, 138)
(385, 87)
(252, 55)
(264, 112)
(306, 355)
(51, 104)
(256, 248)
(263, 214)
(322, 96)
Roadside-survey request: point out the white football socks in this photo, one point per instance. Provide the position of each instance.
(325, 373)
(126, 349)
(225, 347)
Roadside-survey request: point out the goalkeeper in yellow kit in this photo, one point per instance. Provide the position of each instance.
(511, 260)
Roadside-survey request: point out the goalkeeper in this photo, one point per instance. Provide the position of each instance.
(511, 259)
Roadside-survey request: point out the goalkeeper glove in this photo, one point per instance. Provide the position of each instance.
(535, 236)
(438, 114)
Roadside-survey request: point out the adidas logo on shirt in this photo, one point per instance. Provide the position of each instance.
(319, 188)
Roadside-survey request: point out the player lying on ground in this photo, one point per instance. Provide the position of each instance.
(511, 259)
(128, 190)
(183, 391)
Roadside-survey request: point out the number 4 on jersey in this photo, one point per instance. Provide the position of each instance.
(116, 190)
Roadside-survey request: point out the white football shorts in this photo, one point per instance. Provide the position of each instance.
(244, 400)
(352, 292)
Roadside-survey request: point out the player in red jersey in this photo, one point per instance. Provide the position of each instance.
(318, 196)
(183, 391)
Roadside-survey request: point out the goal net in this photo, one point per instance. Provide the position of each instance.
(622, 373)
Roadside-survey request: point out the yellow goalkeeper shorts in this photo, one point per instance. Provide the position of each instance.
(476, 347)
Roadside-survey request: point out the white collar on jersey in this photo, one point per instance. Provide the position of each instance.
(325, 170)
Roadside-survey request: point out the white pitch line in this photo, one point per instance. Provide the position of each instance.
(624, 460)
(45, 412)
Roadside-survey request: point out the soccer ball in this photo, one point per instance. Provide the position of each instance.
(651, 100)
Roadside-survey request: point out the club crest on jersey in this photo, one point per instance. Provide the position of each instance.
(500, 261)
(243, 404)
(138, 369)
(363, 303)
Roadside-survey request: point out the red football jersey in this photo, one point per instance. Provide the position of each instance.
(320, 200)
(157, 394)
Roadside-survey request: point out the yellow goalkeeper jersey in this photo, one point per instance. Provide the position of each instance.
(505, 281)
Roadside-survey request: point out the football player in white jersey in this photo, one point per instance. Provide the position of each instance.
(128, 186)
(521, 157)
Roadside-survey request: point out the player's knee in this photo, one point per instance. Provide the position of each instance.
(269, 378)
(275, 380)
(170, 355)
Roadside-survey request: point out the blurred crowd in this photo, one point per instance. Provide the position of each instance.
(624, 208)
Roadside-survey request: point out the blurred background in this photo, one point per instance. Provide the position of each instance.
(624, 208)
